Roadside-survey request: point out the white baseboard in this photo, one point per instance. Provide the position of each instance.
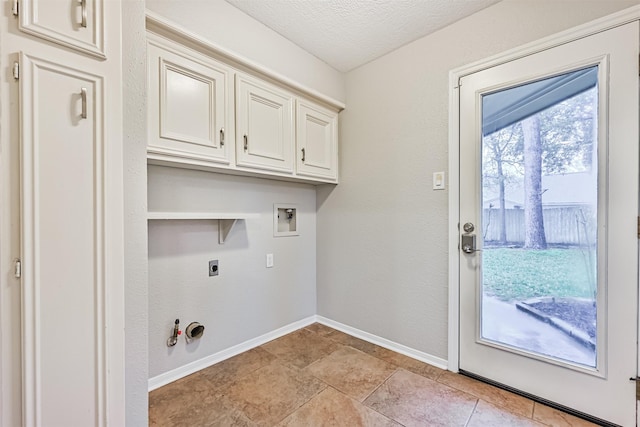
(383, 342)
(195, 366)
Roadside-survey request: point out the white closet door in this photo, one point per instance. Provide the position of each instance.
(65, 262)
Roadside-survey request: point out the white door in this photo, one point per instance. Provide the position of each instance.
(548, 207)
(71, 275)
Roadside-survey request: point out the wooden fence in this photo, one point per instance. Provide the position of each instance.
(562, 226)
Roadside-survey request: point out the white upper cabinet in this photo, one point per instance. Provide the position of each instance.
(264, 126)
(211, 110)
(188, 106)
(77, 24)
(317, 141)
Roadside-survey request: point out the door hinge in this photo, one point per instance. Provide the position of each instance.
(15, 8)
(16, 70)
(18, 269)
(638, 230)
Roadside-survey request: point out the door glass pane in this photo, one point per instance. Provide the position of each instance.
(539, 217)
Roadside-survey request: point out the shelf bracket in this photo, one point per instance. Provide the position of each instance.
(226, 221)
(224, 227)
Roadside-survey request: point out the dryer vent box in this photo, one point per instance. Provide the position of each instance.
(285, 220)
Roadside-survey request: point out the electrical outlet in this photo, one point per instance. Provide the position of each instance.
(269, 260)
(213, 267)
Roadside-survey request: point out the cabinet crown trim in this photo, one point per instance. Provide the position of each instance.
(161, 26)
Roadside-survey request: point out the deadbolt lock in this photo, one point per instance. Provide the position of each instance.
(469, 243)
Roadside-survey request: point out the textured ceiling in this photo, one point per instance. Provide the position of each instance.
(348, 33)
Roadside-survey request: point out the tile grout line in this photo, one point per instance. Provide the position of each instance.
(376, 389)
(387, 361)
(395, 365)
(477, 396)
(533, 413)
(397, 368)
(304, 404)
(533, 410)
(472, 412)
(283, 364)
(239, 377)
(378, 386)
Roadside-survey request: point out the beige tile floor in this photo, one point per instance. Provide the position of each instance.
(318, 376)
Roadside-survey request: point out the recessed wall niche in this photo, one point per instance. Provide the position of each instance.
(285, 220)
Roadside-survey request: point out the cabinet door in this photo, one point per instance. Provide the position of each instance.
(67, 253)
(188, 107)
(264, 126)
(317, 141)
(78, 24)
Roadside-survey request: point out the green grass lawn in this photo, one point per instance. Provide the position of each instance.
(517, 274)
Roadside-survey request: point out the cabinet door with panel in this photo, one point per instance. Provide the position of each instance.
(264, 126)
(188, 107)
(316, 141)
(70, 280)
(77, 24)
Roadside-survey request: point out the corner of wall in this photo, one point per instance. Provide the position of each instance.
(135, 211)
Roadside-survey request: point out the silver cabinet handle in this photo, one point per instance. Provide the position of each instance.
(303, 154)
(246, 143)
(222, 136)
(83, 6)
(83, 95)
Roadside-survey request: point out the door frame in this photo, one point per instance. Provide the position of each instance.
(620, 18)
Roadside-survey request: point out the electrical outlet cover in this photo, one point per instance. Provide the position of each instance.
(213, 268)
